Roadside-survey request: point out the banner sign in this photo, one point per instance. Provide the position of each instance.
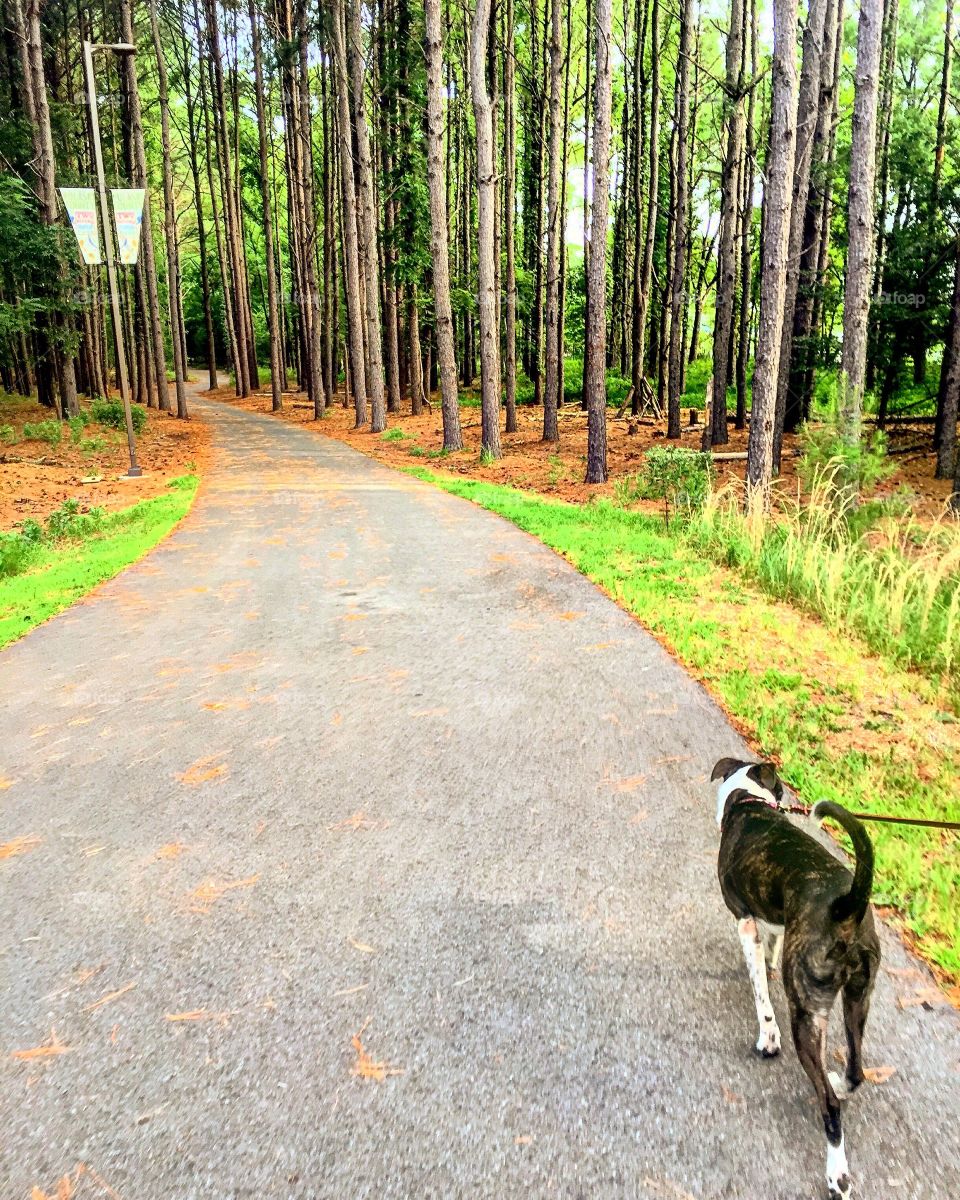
(82, 210)
(128, 214)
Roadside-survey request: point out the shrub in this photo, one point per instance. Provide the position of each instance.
(93, 445)
(16, 552)
(394, 435)
(681, 478)
(69, 522)
(828, 459)
(43, 431)
(110, 413)
(76, 424)
(8, 435)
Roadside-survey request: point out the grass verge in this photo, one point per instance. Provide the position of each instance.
(61, 570)
(842, 724)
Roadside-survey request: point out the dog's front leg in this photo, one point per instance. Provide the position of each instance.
(768, 1041)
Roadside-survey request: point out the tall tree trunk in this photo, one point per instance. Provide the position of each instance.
(950, 391)
(510, 205)
(809, 280)
(860, 212)
(554, 234)
(815, 63)
(141, 179)
(645, 279)
(595, 337)
(367, 226)
(452, 436)
(170, 219)
(773, 264)
(486, 268)
(348, 222)
(729, 223)
(678, 274)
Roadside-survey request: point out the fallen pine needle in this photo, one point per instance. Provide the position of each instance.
(47, 1050)
(111, 996)
(199, 1014)
(361, 987)
(365, 1066)
(19, 845)
(210, 891)
(361, 946)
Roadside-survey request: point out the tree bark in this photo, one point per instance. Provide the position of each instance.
(678, 282)
(170, 220)
(595, 350)
(367, 227)
(486, 268)
(554, 235)
(860, 213)
(348, 221)
(729, 223)
(773, 266)
(443, 321)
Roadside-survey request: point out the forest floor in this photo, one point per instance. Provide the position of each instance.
(840, 720)
(37, 477)
(557, 470)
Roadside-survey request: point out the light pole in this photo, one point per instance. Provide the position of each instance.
(117, 48)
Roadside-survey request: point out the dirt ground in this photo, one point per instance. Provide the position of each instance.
(558, 470)
(36, 478)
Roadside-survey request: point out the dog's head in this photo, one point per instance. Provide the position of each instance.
(739, 778)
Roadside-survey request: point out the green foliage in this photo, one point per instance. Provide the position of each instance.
(680, 477)
(76, 425)
(50, 432)
(395, 434)
(826, 453)
(110, 414)
(92, 445)
(51, 574)
(8, 435)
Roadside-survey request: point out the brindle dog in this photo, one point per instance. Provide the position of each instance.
(771, 871)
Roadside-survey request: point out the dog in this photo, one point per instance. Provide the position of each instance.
(772, 871)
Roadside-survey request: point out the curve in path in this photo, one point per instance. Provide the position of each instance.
(348, 755)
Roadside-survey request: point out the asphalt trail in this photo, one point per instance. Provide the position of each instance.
(346, 753)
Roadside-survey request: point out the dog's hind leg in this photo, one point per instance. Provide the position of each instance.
(856, 1005)
(810, 1038)
(768, 1041)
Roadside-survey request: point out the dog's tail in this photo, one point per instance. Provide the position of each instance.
(854, 903)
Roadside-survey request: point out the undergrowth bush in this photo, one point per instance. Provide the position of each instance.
(110, 413)
(50, 432)
(67, 523)
(680, 477)
(8, 435)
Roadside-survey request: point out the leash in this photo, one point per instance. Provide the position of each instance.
(804, 810)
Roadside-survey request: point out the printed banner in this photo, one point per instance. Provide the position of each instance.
(128, 214)
(82, 210)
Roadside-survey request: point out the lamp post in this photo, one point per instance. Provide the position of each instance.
(88, 51)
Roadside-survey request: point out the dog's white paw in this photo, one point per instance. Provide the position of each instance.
(839, 1184)
(768, 1043)
(840, 1086)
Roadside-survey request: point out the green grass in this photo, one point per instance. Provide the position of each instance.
(708, 615)
(60, 571)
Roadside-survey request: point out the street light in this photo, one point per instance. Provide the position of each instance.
(121, 48)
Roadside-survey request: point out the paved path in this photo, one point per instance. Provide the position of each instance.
(347, 753)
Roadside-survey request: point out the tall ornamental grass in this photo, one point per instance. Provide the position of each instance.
(896, 583)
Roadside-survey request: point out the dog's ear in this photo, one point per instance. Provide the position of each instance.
(725, 767)
(766, 775)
